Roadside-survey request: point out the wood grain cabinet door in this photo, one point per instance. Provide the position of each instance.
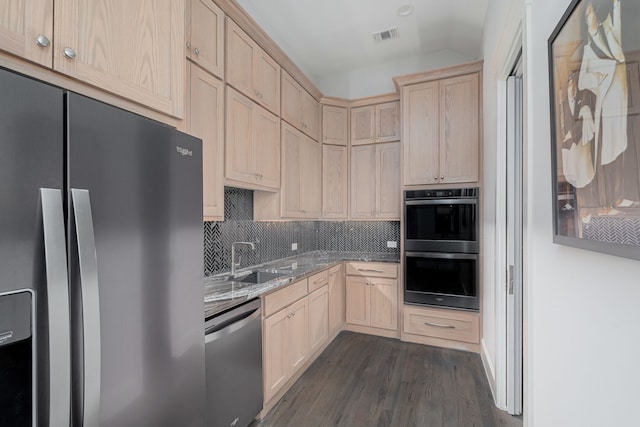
(291, 191)
(363, 126)
(384, 303)
(357, 300)
(363, 181)
(420, 134)
(336, 299)
(206, 121)
(388, 204)
(298, 334)
(311, 181)
(318, 318)
(267, 81)
(205, 36)
(130, 48)
(310, 116)
(388, 122)
(267, 148)
(276, 361)
(241, 50)
(335, 188)
(26, 29)
(239, 149)
(459, 129)
(335, 125)
(292, 94)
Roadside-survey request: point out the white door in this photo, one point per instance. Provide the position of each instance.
(514, 240)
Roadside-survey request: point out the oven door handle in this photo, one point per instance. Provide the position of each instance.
(441, 202)
(441, 255)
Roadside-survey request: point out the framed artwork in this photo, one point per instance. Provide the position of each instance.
(594, 83)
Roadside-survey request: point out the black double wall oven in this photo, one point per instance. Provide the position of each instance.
(441, 246)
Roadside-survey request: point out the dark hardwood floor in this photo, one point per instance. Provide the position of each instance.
(362, 380)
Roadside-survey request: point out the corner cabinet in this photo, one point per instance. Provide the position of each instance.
(252, 150)
(205, 120)
(132, 49)
(375, 123)
(335, 125)
(441, 131)
(375, 181)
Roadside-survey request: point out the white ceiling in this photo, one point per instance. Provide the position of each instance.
(327, 37)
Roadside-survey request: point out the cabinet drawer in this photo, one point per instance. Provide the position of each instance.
(318, 280)
(446, 324)
(284, 297)
(372, 269)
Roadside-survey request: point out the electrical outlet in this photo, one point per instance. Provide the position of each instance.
(392, 244)
(294, 246)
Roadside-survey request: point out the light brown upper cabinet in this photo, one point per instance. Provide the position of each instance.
(205, 36)
(252, 150)
(335, 189)
(300, 192)
(250, 70)
(299, 108)
(26, 29)
(206, 121)
(335, 126)
(441, 131)
(132, 49)
(375, 181)
(375, 123)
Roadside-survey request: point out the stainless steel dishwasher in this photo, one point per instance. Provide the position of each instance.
(234, 366)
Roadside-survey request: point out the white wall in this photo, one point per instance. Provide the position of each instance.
(582, 319)
(377, 79)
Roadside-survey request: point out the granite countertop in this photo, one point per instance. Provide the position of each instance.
(222, 292)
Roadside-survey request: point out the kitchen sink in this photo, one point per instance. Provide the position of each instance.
(260, 277)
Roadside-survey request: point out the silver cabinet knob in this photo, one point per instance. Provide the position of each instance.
(188, 45)
(69, 53)
(196, 51)
(435, 177)
(442, 177)
(325, 138)
(42, 40)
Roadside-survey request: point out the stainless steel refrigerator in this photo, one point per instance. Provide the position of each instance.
(101, 295)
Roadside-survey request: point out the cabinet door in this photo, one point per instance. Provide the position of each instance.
(291, 191)
(239, 150)
(133, 49)
(388, 181)
(311, 182)
(298, 334)
(335, 127)
(420, 141)
(336, 299)
(363, 181)
(357, 301)
(388, 122)
(240, 59)
(267, 148)
(206, 36)
(267, 81)
(335, 190)
(363, 127)
(383, 303)
(21, 23)
(292, 94)
(318, 318)
(206, 122)
(310, 115)
(276, 361)
(459, 129)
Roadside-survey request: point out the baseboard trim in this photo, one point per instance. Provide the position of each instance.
(489, 369)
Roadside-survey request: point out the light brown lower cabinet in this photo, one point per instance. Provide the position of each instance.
(336, 299)
(429, 323)
(286, 345)
(372, 300)
(318, 318)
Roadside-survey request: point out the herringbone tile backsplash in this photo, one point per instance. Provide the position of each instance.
(273, 239)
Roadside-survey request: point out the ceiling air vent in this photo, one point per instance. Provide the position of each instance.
(389, 34)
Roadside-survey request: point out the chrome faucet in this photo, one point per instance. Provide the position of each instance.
(233, 255)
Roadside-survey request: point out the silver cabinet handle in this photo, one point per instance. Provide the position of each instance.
(87, 261)
(55, 253)
(196, 51)
(42, 41)
(69, 53)
(439, 325)
(442, 177)
(435, 178)
(188, 45)
(364, 270)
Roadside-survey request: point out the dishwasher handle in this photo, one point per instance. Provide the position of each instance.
(231, 325)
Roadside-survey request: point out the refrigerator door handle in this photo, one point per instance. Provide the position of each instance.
(55, 253)
(87, 261)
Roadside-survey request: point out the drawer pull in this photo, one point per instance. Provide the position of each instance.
(439, 325)
(364, 270)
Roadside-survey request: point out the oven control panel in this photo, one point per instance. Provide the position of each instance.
(453, 193)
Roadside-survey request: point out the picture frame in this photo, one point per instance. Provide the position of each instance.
(594, 96)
